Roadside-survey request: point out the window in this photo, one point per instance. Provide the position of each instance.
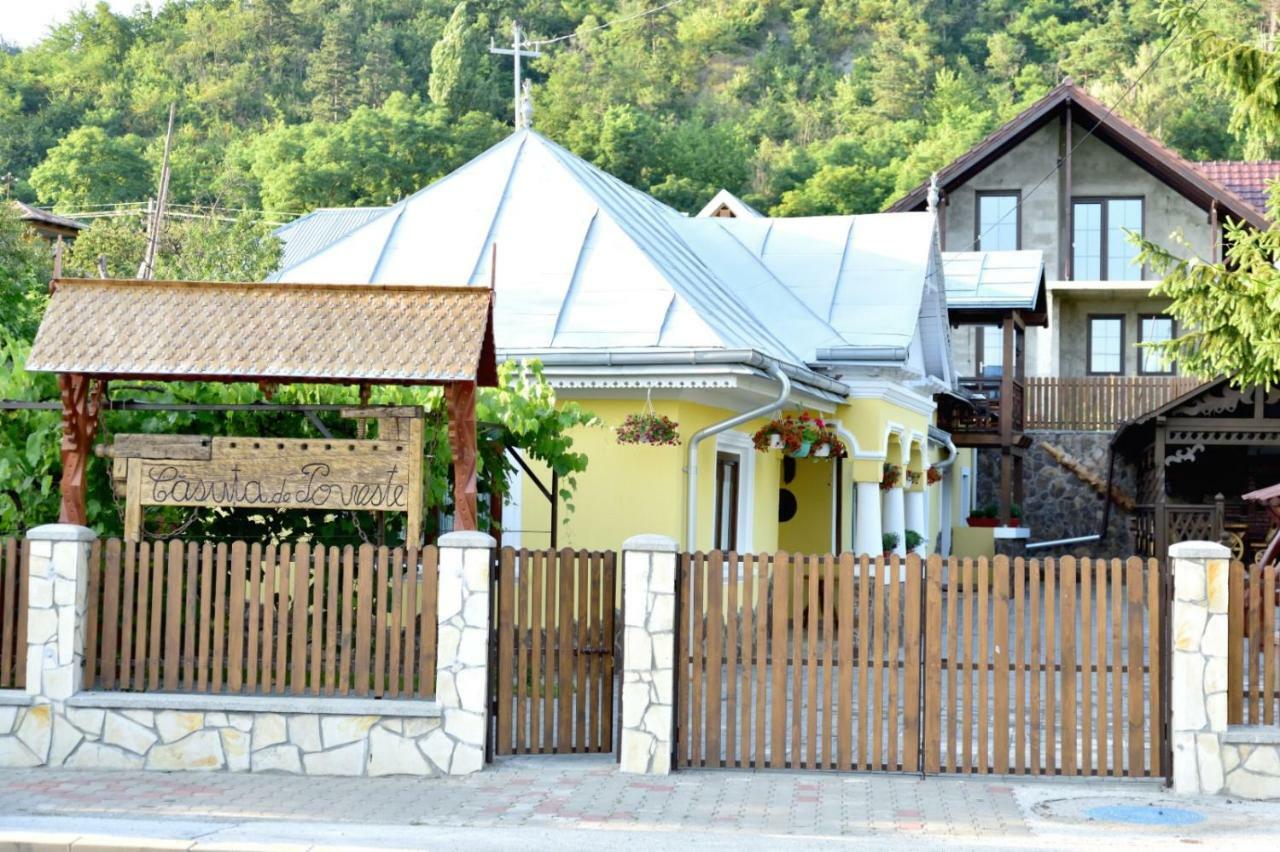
(1101, 250)
(728, 470)
(988, 350)
(1154, 328)
(998, 225)
(1106, 345)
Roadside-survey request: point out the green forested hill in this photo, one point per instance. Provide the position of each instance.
(801, 106)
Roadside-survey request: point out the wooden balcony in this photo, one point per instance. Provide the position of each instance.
(981, 424)
(1098, 403)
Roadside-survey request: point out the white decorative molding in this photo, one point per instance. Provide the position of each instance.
(740, 444)
(1185, 454)
(893, 392)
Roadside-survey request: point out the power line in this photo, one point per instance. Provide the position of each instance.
(1017, 208)
(624, 19)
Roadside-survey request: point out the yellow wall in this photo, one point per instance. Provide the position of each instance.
(809, 531)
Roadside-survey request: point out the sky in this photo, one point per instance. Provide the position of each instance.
(24, 22)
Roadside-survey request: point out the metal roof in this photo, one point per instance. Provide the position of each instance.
(1010, 280)
(587, 262)
(253, 332)
(308, 234)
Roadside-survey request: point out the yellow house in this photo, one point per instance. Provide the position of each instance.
(722, 323)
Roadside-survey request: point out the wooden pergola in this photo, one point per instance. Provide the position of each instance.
(97, 331)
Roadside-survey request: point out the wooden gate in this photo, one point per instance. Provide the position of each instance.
(969, 666)
(1253, 637)
(554, 624)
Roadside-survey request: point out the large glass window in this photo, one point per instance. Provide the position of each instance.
(1153, 328)
(1101, 250)
(999, 221)
(1106, 345)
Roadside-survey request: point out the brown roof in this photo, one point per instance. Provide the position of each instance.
(172, 330)
(1135, 144)
(36, 214)
(1246, 178)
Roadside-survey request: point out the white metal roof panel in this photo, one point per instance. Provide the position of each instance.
(993, 279)
(308, 234)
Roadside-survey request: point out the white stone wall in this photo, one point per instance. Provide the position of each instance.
(54, 724)
(648, 653)
(1209, 756)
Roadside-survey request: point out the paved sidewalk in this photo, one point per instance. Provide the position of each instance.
(578, 802)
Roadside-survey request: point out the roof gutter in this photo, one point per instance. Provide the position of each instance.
(943, 439)
(848, 354)
(691, 470)
(684, 357)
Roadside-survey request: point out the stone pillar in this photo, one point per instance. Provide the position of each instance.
(648, 653)
(916, 518)
(57, 592)
(1199, 688)
(462, 652)
(894, 511)
(867, 524)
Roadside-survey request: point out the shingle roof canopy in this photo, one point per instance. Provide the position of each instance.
(212, 331)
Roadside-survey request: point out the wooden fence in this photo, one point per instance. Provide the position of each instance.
(13, 613)
(1252, 659)
(237, 618)
(1098, 403)
(554, 623)
(1024, 667)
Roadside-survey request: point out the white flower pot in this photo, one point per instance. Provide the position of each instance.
(776, 442)
(822, 451)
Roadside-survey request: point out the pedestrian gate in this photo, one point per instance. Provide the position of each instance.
(554, 673)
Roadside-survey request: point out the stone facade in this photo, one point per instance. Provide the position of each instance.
(648, 653)
(1059, 504)
(54, 724)
(1209, 756)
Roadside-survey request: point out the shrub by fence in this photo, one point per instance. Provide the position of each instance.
(13, 613)
(252, 619)
(1028, 667)
(1253, 696)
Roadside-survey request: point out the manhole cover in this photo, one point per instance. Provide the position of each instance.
(1144, 815)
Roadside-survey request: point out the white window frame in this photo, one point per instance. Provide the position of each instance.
(740, 445)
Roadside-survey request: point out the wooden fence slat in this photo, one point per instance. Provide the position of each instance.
(600, 734)
(764, 567)
(270, 568)
(911, 666)
(284, 601)
(1086, 667)
(812, 614)
(796, 672)
(1037, 665)
(864, 657)
(778, 661)
(380, 603)
(218, 657)
(984, 659)
(1235, 645)
(582, 589)
(933, 666)
(1154, 634)
(395, 592)
(1067, 588)
(955, 582)
(20, 631)
(333, 603)
(1137, 721)
(110, 613)
(1117, 668)
(1051, 658)
(609, 596)
(139, 568)
(364, 618)
(9, 640)
(204, 627)
(745, 628)
(235, 644)
(301, 586)
(879, 649)
(893, 614)
(1253, 612)
(523, 638)
(506, 645)
(171, 594)
(564, 612)
(827, 756)
(1100, 661)
(1000, 620)
(844, 701)
(155, 635)
(1269, 646)
(714, 644)
(698, 652)
(731, 617)
(549, 649)
(92, 602)
(255, 606)
(1019, 666)
(345, 644)
(537, 678)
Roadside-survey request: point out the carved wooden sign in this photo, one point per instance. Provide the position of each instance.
(331, 474)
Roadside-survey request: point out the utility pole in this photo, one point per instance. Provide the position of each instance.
(516, 52)
(146, 269)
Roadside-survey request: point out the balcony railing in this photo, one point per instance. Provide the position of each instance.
(986, 396)
(1097, 403)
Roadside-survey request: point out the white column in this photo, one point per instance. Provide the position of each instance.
(867, 520)
(895, 521)
(1199, 687)
(917, 520)
(462, 648)
(648, 653)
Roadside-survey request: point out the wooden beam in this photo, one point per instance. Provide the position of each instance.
(1161, 518)
(81, 404)
(460, 402)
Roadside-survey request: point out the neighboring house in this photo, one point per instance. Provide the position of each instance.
(1005, 194)
(725, 205)
(51, 226)
(629, 303)
(308, 234)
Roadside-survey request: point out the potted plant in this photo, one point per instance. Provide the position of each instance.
(984, 516)
(932, 475)
(781, 433)
(829, 445)
(648, 427)
(892, 473)
(811, 429)
(1015, 515)
(914, 540)
(913, 478)
(889, 541)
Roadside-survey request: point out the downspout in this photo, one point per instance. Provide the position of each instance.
(691, 471)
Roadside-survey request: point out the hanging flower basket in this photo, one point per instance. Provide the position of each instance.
(798, 437)
(913, 478)
(932, 475)
(892, 476)
(649, 427)
(829, 445)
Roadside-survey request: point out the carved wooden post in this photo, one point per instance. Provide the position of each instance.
(460, 401)
(81, 403)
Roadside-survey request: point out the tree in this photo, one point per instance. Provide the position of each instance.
(25, 269)
(332, 70)
(90, 166)
(461, 68)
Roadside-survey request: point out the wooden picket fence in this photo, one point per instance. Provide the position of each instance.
(554, 623)
(970, 666)
(243, 618)
(1098, 402)
(13, 613)
(1253, 675)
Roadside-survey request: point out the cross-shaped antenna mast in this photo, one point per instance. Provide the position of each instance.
(516, 52)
